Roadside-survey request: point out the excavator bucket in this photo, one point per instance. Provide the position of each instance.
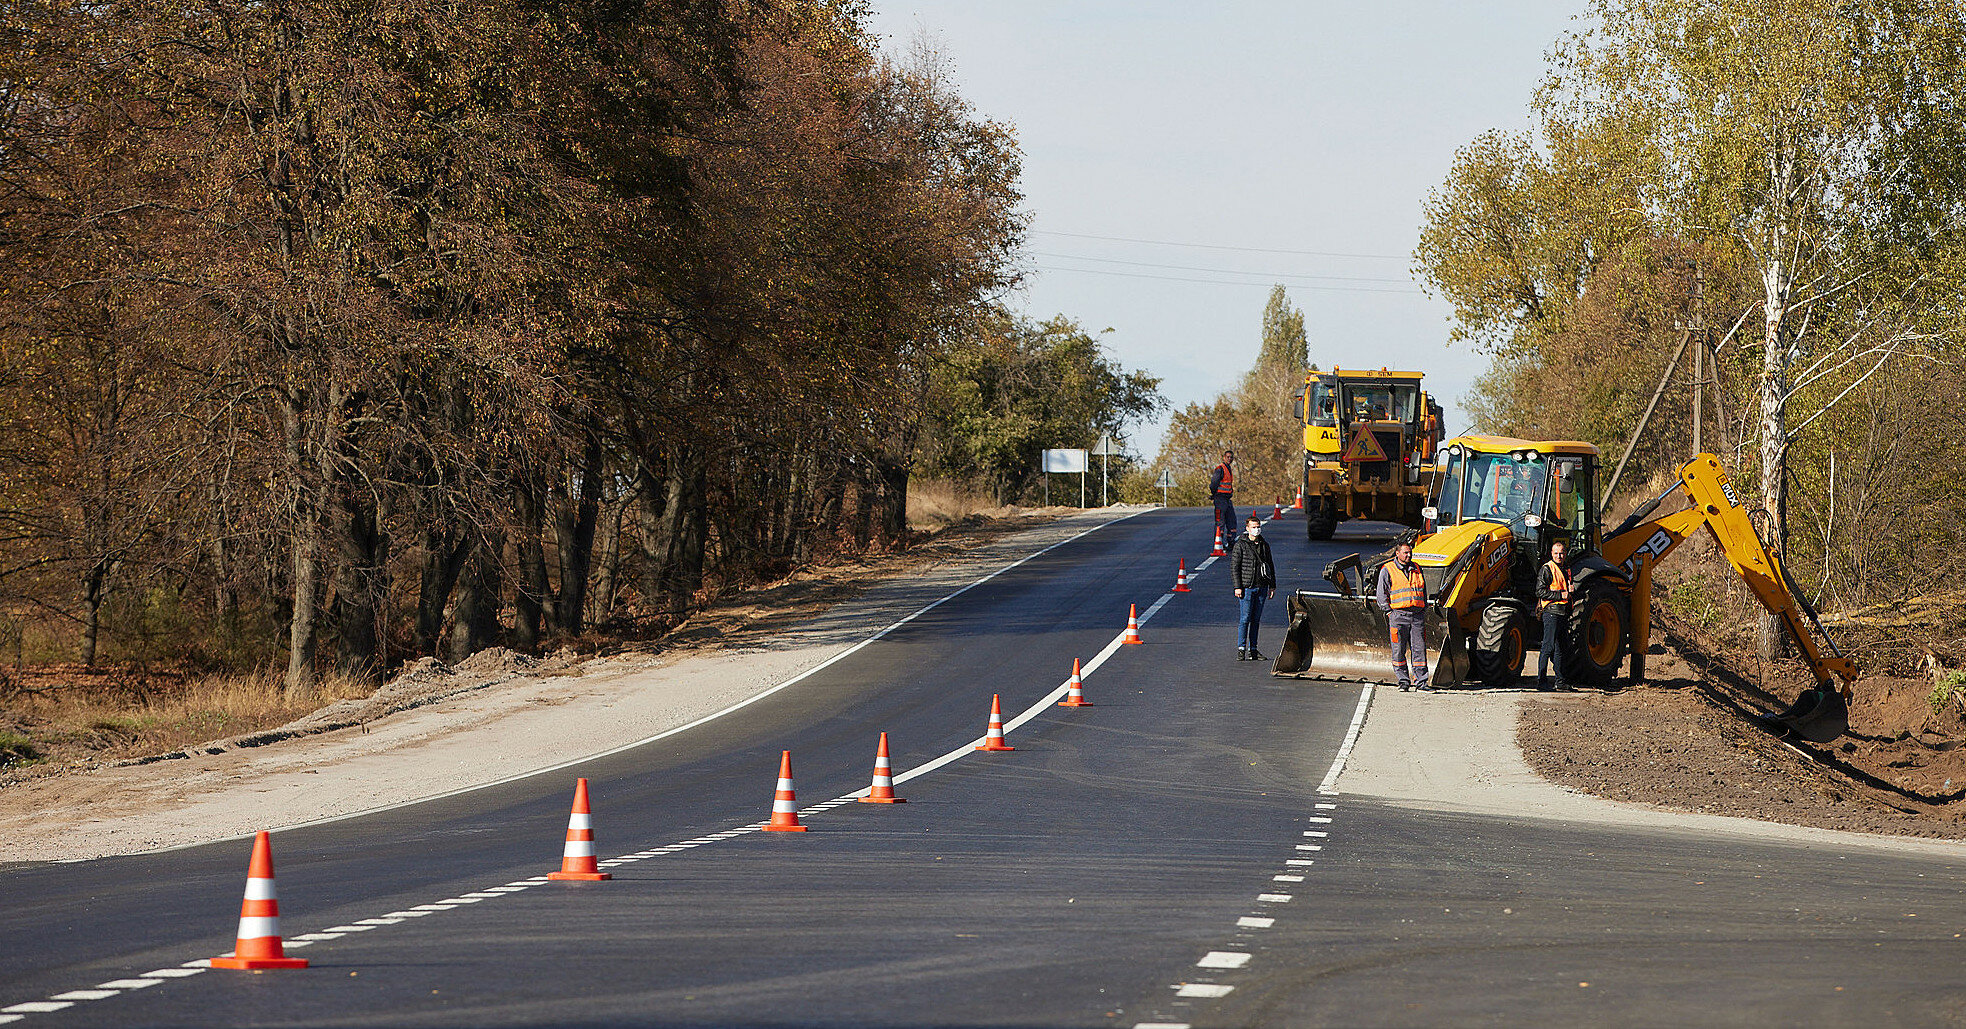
(1333, 636)
(1818, 715)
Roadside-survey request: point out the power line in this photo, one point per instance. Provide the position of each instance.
(1216, 246)
(1221, 271)
(1226, 282)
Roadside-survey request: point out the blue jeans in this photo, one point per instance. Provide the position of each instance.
(1252, 618)
(1553, 619)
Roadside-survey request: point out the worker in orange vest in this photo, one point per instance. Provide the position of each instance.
(1222, 487)
(1403, 596)
(1553, 603)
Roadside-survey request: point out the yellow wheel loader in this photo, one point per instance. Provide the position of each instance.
(1369, 444)
(1498, 505)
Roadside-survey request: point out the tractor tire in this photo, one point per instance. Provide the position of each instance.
(1319, 520)
(1597, 634)
(1501, 645)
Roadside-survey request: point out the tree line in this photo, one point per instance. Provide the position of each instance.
(340, 334)
(1771, 193)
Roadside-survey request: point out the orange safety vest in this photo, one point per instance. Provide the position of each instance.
(1560, 582)
(1405, 589)
(1228, 479)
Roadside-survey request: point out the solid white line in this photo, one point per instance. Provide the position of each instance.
(1330, 783)
(685, 727)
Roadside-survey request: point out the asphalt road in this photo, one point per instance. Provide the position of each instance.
(1089, 878)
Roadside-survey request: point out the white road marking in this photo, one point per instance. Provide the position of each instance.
(172, 973)
(34, 1007)
(127, 984)
(1202, 990)
(405, 914)
(85, 995)
(1254, 922)
(4, 1019)
(1310, 846)
(1223, 959)
(1325, 807)
(1318, 819)
(1300, 861)
(1274, 898)
(1162, 1025)
(1316, 832)
(1330, 783)
(1286, 878)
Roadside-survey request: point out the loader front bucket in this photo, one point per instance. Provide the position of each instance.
(1332, 636)
(1818, 715)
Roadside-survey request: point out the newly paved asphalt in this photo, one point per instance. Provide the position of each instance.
(1077, 881)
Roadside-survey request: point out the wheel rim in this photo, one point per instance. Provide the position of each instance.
(1602, 634)
(1513, 647)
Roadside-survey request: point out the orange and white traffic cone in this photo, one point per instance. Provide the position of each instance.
(258, 944)
(1132, 625)
(1075, 697)
(1218, 552)
(1299, 505)
(1276, 510)
(882, 792)
(577, 862)
(993, 740)
(785, 803)
(1181, 577)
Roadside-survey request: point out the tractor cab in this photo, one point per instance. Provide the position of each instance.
(1540, 492)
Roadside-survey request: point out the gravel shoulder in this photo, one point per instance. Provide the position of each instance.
(493, 719)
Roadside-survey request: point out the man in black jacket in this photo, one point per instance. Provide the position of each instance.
(1254, 574)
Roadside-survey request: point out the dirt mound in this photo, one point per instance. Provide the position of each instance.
(1688, 740)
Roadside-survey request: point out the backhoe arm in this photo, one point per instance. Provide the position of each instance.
(1635, 548)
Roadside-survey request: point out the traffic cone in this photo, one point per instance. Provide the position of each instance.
(1075, 697)
(1299, 505)
(258, 944)
(883, 788)
(1219, 552)
(993, 740)
(577, 860)
(1132, 625)
(785, 804)
(1181, 577)
(1276, 510)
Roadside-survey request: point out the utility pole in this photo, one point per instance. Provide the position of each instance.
(1699, 331)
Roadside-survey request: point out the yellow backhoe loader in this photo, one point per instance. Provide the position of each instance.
(1369, 443)
(1498, 505)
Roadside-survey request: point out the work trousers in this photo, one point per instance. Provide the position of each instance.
(1225, 516)
(1409, 632)
(1553, 619)
(1252, 618)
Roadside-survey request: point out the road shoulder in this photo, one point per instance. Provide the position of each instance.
(520, 727)
(1456, 751)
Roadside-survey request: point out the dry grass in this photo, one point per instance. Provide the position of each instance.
(59, 715)
(935, 503)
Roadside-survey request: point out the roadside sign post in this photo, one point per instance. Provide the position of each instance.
(1065, 461)
(1165, 482)
(1105, 448)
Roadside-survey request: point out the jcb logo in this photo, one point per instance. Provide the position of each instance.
(1651, 550)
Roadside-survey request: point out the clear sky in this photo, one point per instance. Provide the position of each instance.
(1249, 127)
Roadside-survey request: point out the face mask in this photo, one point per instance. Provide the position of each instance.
(1254, 531)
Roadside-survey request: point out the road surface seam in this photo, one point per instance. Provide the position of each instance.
(68, 999)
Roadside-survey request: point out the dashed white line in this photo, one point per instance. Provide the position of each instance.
(1310, 846)
(1286, 878)
(1255, 922)
(1223, 959)
(1300, 861)
(1203, 990)
(1274, 898)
